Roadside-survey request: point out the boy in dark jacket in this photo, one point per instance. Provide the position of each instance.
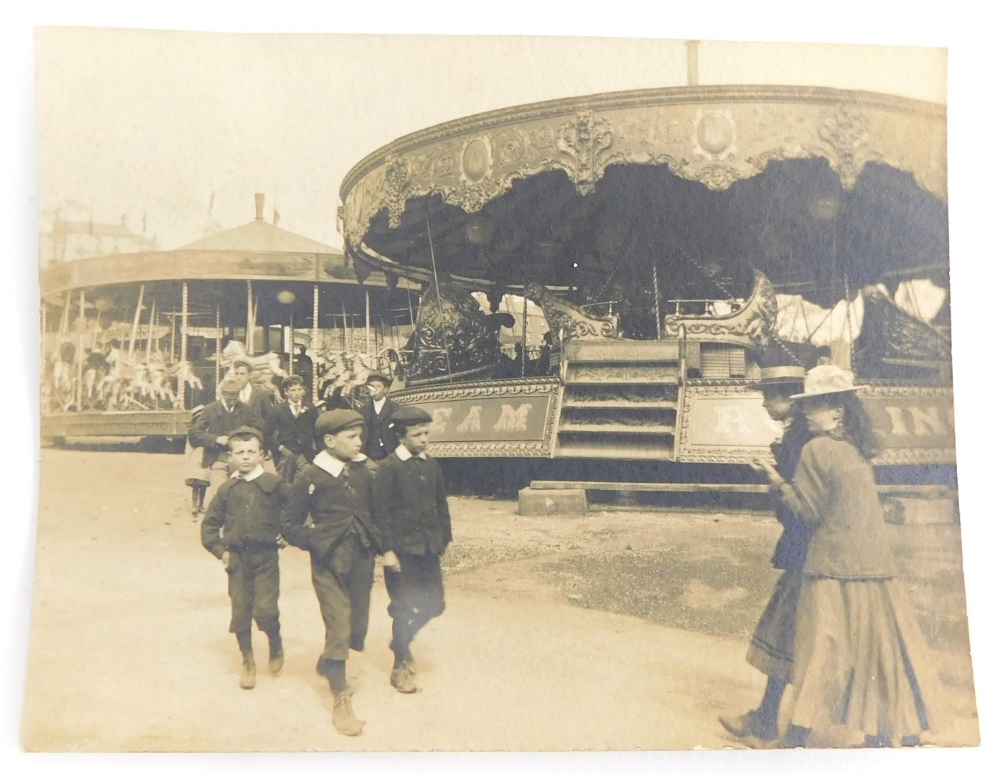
(242, 529)
(329, 515)
(411, 509)
(290, 434)
(211, 429)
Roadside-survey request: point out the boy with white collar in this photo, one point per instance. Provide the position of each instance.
(411, 510)
(329, 515)
(241, 528)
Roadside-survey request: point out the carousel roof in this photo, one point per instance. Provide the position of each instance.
(821, 189)
(259, 236)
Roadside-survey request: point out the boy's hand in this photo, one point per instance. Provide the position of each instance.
(281, 542)
(225, 560)
(222, 441)
(391, 562)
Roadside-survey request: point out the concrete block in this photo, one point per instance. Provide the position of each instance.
(544, 502)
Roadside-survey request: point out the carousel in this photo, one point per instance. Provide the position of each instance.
(133, 343)
(668, 239)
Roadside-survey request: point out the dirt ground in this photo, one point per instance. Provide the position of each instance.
(618, 630)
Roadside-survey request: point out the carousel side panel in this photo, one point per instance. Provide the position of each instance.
(117, 424)
(512, 418)
(727, 423)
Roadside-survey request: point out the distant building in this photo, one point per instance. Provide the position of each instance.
(70, 240)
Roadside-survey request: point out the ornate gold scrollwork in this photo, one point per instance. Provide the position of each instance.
(714, 135)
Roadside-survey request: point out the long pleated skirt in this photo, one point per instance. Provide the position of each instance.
(195, 473)
(861, 661)
(772, 647)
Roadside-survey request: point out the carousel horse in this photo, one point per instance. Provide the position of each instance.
(158, 382)
(62, 384)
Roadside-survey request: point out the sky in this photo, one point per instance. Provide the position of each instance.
(181, 129)
(167, 136)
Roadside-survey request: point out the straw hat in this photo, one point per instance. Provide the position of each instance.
(827, 379)
(781, 375)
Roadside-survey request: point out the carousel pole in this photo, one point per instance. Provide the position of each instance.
(524, 332)
(149, 333)
(81, 322)
(368, 315)
(343, 313)
(656, 302)
(135, 321)
(218, 343)
(45, 325)
(437, 290)
(173, 332)
(315, 344)
(64, 323)
(291, 341)
(184, 338)
(250, 318)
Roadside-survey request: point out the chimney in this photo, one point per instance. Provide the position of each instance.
(258, 200)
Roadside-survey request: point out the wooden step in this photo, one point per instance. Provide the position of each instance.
(914, 490)
(619, 404)
(623, 351)
(652, 486)
(628, 379)
(620, 452)
(617, 428)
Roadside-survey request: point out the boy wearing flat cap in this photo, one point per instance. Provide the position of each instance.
(212, 428)
(411, 510)
(329, 515)
(290, 433)
(379, 439)
(242, 529)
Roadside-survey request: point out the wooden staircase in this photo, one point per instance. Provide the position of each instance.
(620, 400)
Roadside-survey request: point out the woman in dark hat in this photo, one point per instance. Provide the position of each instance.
(772, 647)
(860, 660)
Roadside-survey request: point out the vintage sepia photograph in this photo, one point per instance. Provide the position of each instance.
(494, 393)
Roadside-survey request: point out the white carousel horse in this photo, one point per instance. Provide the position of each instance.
(62, 383)
(158, 384)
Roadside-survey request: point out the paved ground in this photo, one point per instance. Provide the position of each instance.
(618, 630)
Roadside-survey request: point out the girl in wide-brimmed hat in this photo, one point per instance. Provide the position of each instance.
(860, 659)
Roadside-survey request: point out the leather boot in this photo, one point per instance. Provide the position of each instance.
(343, 715)
(402, 678)
(248, 676)
(276, 658)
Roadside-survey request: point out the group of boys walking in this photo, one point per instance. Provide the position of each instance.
(342, 506)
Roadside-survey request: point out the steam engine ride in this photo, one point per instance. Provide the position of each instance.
(670, 238)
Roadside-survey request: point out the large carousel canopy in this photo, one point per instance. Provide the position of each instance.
(825, 191)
